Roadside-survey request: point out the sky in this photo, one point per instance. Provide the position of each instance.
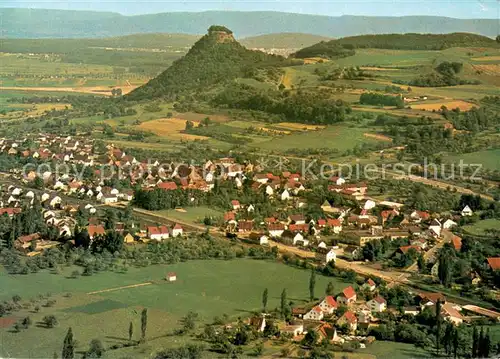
(464, 9)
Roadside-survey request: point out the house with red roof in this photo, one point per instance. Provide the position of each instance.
(369, 285)
(347, 297)
(328, 305)
(457, 243)
(157, 233)
(95, 231)
(167, 186)
(335, 225)
(9, 211)
(276, 229)
(177, 230)
(229, 216)
(348, 319)
(245, 226)
(377, 304)
(315, 313)
(236, 204)
(494, 263)
(326, 332)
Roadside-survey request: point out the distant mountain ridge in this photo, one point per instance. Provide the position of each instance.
(42, 23)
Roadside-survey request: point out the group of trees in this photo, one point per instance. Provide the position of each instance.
(325, 49)
(414, 41)
(304, 106)
(445, 74)
(381, 100)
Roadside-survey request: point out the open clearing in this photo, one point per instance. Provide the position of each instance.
(339, 137)
(490, 159)
(480, 226)
(462, 105)
(169, 127)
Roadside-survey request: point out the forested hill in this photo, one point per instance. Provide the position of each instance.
(417, 41)
(340, 47)
(214, 59)
(39, 23)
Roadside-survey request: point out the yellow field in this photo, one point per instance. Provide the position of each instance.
(462, 105)
(271, 130)
(299, 126)
(371, 68)
(169, 127)
(486, 58)
(490, 69)
(379, 137)
(314, 60)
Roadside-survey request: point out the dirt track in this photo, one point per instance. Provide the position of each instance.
(120, 288)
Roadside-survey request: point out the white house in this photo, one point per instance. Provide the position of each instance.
(276, 229)
(369, 204)
(369, 285)
(236, 204)
(449, 224)
(285, 195)
(250, 208)
(171, 277)
(300, 238)
(435, 228)
(269, 190)
(377, 304)
(328, 305)
(326, 255)
(467, 211)
(348, 296)
(177, 230)
(107, 199)
(315, 313)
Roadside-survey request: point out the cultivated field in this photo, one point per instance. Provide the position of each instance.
(170, 128)
(436, 106)
(490, 159)
(207, 287)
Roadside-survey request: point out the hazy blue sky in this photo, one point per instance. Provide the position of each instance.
(452, 8)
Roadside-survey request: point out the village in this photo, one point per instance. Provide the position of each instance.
(337, 236)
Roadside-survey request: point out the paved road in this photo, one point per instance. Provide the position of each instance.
(341, 263)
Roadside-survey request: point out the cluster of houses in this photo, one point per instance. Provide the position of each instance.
(344, 317)
(366, 220)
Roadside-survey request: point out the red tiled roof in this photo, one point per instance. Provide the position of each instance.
(229, 216)
(235, 202)
(321, 222)
(494, 263)
(349, 292)
(153, 230)
(370, 282)
(10, 211)
(177, 226)
(379, 299)
(457, 243)
(350, 317)
(167, 186)
(276, 227)
(334, 222)
(299, 227)
(331, 301)
(29, 238)
(95, 230)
